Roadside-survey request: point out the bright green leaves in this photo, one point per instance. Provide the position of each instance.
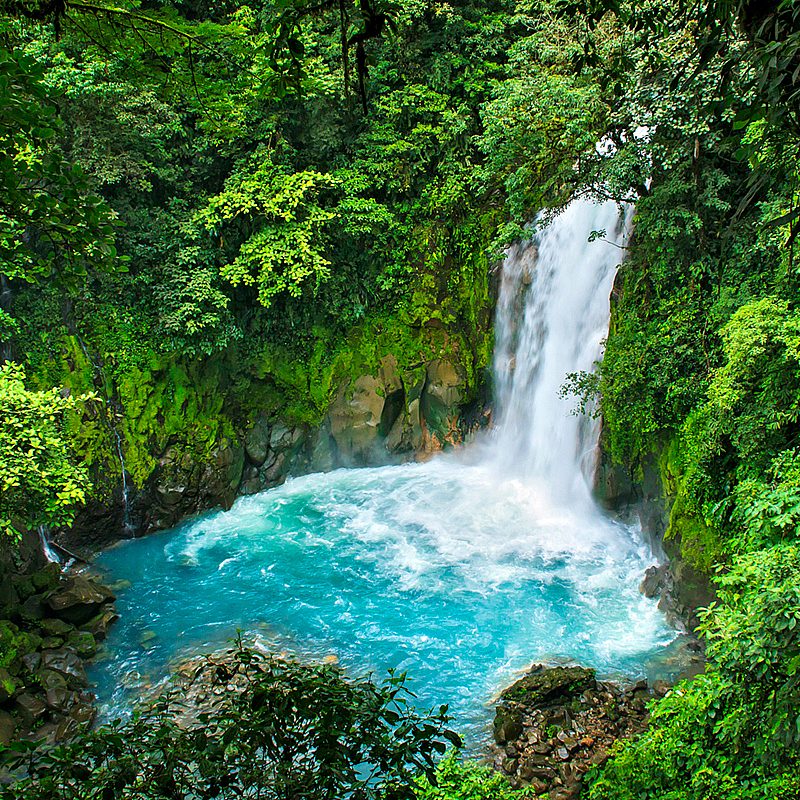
(732, 733)
(274, 215)
(50, 226)
(536, 128)
(276, 729)
(739, 446)
(40, 484)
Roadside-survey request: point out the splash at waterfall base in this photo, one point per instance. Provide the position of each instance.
(461, 569)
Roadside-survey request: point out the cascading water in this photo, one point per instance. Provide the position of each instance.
(127, 524)
(461, 570)
(552, 316)
(47, 549)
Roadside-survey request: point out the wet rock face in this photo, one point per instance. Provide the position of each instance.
(377, 418)
(181, 485)
(555, 723)
(271, 449)
(355, 420)
(440, 404)
(43, 685)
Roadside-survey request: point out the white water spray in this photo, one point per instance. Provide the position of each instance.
(552, 317)
(48, 551)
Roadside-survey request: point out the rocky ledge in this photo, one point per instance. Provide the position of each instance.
(50, 624)
(555, 723)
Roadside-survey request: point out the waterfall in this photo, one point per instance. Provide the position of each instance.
(462, 569)
(49, 553)
(112, 426)
(552, 317)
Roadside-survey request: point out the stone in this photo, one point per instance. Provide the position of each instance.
(509, 765)
(277, 471)
(54, 627)
(31, 661)
(546, 685)
(441, 397)
(507, 725)
(83, 642)
(33, 609)
(47, 578)
(99, 626)
(83, 712)
(257, 442)
(563, 753)
(51, 679)
(8, 727)
(66, 661)
(284, 437)
(8, 686)
(60, 699)
(78, 600)
(30, 708)
(661, 688)
(354, 419)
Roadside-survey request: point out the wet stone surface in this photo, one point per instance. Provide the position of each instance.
(50, 625)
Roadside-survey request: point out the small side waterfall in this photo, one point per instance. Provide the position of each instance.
(552, 317)
(127, 524)
(49, 553)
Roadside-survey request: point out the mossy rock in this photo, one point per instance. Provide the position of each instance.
(55, 627)
(83, 642)
(46, 578)
(544, 686)
(8, 686)
(507, 724)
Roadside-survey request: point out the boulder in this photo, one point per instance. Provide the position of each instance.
(8, 685)
(257, 442)
(67, 662)
(656, 581)
(55, 627)
(355, 418)
(60, 699)
(50, 679)
(30, 708)
(442, 396)
(8, 727)
(78, 600)
(98, 626)
(507, 725)
(47, 578)
(547, 685)
(83, 642)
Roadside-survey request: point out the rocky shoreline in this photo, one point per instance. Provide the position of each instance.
(50, 627)
(556, 723)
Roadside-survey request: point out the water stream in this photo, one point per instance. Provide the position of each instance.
(461, 570)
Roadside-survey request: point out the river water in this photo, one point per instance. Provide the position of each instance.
(462, 570)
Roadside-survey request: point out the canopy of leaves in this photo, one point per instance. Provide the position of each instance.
(51, 227)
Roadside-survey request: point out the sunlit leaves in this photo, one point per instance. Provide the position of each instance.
(283, 247)
(275, 730)
(40, 483)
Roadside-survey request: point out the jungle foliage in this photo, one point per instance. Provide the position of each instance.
(206, 206)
